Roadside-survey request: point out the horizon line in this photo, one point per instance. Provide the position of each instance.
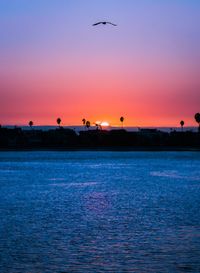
(93, 125)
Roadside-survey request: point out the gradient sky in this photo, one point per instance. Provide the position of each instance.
(53, 63)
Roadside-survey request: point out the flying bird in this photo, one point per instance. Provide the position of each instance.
(104, 23)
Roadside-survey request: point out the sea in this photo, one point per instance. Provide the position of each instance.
(88, 211)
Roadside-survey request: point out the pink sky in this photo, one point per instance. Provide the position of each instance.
(55, 64)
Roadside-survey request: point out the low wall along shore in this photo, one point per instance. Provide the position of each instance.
(64, 138)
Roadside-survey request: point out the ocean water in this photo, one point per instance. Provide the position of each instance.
(99, 212)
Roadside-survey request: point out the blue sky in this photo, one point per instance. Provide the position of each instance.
(50, 51)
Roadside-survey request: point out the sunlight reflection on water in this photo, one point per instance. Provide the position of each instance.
(99, 212)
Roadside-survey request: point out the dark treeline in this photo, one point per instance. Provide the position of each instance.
(63, 139)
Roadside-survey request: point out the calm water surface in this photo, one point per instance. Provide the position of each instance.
(99, 212)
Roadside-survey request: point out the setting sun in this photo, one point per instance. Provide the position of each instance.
(104, 123)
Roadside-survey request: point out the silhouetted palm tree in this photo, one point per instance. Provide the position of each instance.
(87, 124)
(122, 120)
(182, 124)
(83, 121)
(98, 126)
(30, 123)
(197, 118)
(58, 121)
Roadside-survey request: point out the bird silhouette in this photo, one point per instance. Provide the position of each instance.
(104, 23)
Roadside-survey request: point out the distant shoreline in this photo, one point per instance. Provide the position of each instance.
(79, 128)
(66, 139)
(106, 149)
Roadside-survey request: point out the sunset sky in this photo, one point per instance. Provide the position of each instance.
(54, 63)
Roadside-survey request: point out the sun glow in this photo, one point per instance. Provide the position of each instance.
(104, 124)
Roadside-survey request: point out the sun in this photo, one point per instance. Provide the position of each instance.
(104, 124)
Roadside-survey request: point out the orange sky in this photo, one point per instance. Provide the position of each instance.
(145, 70)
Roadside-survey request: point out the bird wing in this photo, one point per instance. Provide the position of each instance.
(111, 24)
(97, 23)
